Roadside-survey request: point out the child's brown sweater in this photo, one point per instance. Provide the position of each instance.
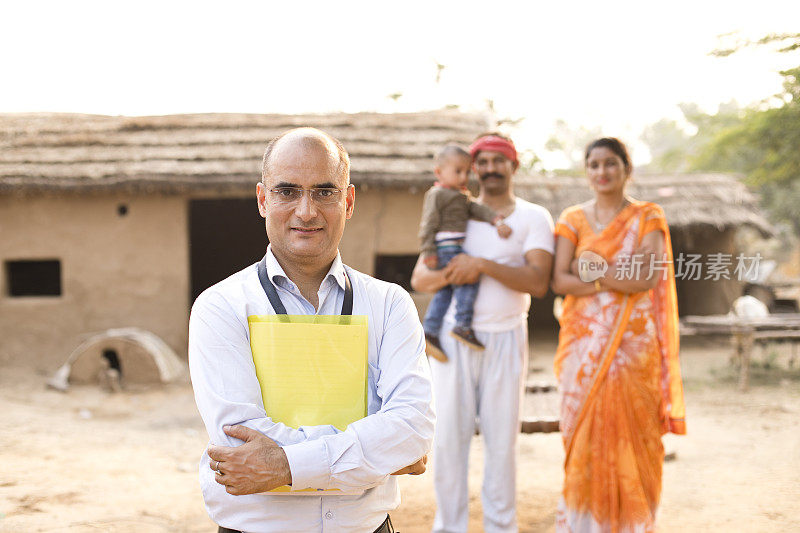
(447, 209)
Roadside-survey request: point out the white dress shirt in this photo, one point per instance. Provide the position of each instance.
(397, 431)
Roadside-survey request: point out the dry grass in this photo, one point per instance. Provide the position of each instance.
(222, 152)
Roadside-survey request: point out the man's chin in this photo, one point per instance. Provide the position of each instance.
(307, 247)
(495, 184)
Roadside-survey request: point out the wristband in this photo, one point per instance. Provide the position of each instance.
(597, 286)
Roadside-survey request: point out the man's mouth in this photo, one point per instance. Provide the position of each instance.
(491, 175)
(306, 231)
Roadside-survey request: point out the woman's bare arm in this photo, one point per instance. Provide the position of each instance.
(618, 277)
(627, 279)
(564, 280)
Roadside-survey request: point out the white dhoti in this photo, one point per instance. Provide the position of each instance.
(486, 385)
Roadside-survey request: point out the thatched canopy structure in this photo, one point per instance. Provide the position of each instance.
(216, 153)
(220, 154)
(719, 201)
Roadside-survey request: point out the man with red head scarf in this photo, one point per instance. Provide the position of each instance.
(487, 386)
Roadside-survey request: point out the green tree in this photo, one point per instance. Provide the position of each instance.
(761, 142)
(571, 142)
(765, 144)
(669, 145)
(674, 149)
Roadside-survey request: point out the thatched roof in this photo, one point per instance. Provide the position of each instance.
(717, 200)
(211, 152)
(221, 154)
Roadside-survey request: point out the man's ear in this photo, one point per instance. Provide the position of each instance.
(350, 200)
(516, 165)
(261, 197)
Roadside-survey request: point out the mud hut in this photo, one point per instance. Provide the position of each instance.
(112, 222)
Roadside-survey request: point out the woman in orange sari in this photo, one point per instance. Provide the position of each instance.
(617, 358)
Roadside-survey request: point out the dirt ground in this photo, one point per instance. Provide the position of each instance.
(89, 460)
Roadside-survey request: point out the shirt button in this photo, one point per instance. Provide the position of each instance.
(329, 515)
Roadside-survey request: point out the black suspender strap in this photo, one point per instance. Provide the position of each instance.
(269, 288)
(347, 303)
(275, 300)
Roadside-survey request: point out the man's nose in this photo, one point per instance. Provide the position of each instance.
(306, 209)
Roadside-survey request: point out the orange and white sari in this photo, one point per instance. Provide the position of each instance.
(619, 376)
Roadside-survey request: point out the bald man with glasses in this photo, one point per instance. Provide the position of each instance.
(305, 197)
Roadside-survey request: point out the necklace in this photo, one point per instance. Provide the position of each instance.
(597, 224)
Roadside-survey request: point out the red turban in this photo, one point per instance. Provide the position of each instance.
(493, 143)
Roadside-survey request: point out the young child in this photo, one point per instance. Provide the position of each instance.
(445, 211)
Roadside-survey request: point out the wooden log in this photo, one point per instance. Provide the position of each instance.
(543, 425)
(534, 425)
(535, 388)
(744, 346)
(771, 336)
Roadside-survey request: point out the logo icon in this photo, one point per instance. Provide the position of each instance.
(591, 266)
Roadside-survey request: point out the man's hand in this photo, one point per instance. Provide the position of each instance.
(463, 269)
(415, 469)
(431, 261)
(258, 465)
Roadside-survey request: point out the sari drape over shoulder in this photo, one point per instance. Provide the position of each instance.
(619, 376)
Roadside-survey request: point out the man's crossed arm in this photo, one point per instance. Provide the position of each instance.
(260, 465)
(394, 440)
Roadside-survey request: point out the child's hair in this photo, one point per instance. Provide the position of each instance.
(450, 150)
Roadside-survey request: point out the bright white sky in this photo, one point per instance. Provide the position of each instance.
(615, 64)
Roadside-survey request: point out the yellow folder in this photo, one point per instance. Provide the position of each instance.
(312, 370)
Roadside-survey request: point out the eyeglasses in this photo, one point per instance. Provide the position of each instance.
(292, 195)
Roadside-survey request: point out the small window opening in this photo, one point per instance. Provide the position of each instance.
(33, 278)
(122, 210)
(395, 268)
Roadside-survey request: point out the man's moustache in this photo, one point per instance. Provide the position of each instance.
(491, 175)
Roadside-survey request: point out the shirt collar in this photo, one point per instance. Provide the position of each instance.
(275, 271)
